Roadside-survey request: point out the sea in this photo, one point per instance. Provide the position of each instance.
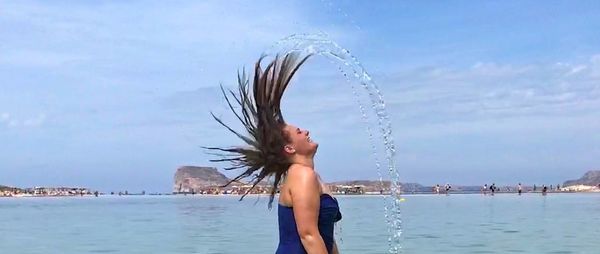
(460, 223)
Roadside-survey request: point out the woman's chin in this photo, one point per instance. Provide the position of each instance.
(315, 147)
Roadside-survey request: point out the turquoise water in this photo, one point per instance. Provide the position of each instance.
(506, 223)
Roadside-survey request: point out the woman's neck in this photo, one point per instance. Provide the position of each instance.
(304, 161)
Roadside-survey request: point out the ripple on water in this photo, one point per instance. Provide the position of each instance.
(482, 251)
(428, 236)
(476, 245)
(469, 246)
(104, 251)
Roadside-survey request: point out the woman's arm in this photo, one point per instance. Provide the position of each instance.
(335, 249)
(305, 192)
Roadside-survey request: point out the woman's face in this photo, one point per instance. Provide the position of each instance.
(299, 141)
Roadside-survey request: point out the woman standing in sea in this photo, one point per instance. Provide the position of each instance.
(276, 149)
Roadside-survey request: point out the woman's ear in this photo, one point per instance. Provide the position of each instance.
(289, 149)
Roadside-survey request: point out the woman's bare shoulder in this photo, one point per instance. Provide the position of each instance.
(299, 174)
(301, 171)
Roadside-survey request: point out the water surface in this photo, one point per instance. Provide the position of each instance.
(506, 223)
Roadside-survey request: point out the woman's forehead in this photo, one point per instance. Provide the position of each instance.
(290, 127)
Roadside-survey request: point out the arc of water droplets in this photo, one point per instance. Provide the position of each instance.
(319, 44)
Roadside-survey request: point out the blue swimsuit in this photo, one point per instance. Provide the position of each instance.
(289, 240)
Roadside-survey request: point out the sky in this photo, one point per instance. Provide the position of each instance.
(115, 95)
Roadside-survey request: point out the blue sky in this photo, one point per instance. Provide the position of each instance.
(116, 95)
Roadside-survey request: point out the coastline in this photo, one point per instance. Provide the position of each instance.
(341, 195)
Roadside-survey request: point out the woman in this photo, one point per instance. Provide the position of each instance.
(274, 148)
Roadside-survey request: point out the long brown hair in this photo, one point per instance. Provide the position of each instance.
(262, 155)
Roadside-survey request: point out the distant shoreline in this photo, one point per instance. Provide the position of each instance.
(267, 195)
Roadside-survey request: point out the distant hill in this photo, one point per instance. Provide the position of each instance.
(590, 178)
(8, 188)
(191, 178)
(362, 182)
(194, 179)
(370, 185)
(375, 185)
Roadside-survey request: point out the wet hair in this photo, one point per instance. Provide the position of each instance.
(262, 156)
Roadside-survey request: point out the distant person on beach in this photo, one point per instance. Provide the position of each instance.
(534, 188)
(493, 188)
(484, 189)
(544, 189)
(274, 149)
(447, 187)
(519, 188)
(437, 189)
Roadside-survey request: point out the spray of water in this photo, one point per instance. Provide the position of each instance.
(354, 73)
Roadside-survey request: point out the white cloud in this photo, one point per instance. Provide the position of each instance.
(108, 40)
(10, 121)
(465, 99)
(36, 58)
(35, 121)
(487, 87)
(4, 117)
(595, 66)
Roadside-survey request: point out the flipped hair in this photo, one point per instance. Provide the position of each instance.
(260, 113)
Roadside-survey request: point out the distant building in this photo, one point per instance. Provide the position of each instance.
(348, 189)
